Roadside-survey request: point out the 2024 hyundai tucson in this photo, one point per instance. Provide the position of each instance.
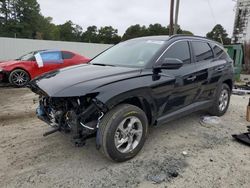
(137, 83)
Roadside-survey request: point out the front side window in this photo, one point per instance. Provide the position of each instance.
(179, 50)
(132, 53)
(27, 57)
(202, 51)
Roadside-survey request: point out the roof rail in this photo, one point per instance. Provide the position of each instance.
(186, 35)
(195, 36)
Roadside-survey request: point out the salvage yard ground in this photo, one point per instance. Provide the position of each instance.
(214, 159)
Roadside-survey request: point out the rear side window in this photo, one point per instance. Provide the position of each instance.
(51, 56)
(218, 52)
(179, 50)
(202, 51)
(67, 55)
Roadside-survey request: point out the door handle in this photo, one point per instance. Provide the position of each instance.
(220, 68)
(192, 78)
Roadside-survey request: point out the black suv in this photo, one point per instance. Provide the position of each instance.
(137, 83)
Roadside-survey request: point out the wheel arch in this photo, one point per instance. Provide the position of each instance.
(140, 102)
(229, 82)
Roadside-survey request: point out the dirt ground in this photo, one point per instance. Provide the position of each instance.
(214, 159)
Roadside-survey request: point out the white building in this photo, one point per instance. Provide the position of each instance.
(241, 33)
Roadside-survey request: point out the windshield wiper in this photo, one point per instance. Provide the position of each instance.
(101, 64)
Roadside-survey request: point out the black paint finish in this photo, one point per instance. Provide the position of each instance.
(163, 92)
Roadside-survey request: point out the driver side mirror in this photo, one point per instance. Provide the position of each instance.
(169, 63)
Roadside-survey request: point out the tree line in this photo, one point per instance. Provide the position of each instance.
(23, 19)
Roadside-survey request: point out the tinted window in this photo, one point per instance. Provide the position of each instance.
(67, 55)
(218, 51)
(202, 51)
(179, 50)
(51, 56)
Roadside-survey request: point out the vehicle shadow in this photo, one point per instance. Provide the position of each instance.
(5, 85)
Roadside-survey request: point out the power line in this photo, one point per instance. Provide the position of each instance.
(215, 22)
(212, 12)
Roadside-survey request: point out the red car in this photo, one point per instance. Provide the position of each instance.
(20, 71)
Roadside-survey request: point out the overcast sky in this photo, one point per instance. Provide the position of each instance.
(195, 15)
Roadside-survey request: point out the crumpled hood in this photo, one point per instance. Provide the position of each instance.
(80, 80)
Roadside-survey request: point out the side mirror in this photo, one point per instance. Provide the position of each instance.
(169, 63)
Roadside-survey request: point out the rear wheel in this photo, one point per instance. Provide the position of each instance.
(123, 132)
(19, 77)
(222, 100)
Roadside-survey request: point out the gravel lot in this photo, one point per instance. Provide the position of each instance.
(214, 159)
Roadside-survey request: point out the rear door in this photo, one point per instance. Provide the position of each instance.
(210, 68)
(185, 87)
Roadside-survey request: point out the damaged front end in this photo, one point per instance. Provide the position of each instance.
(4, 75)
(79, 116)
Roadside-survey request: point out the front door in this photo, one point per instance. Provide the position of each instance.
(185, 85)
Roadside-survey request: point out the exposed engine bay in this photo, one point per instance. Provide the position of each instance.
(77, 115)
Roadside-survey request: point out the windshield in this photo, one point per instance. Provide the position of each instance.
(133, 53)
(27, 57)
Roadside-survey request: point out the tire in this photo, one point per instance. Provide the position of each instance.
(114, 130)
(218, 109)
(19, 78)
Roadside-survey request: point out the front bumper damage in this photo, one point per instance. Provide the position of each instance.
(79, 116)
(4, 76)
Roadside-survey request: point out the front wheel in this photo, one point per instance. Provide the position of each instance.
(19, 78)
(123, 132)
(222, 100)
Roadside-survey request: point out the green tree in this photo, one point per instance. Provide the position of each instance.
(108, 35)
(23, 19)
(48, 30)
(70, 31)
(218, 33)
(27, 14)
(153, 29)
(77, 32)
(19, 17)
(90, 35)
(135, 31)
(185, 32)
(4, 11)
(157, 29)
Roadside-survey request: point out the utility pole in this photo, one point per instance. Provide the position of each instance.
(171, 22)
(176, 16)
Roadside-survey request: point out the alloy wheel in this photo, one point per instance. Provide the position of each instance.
(223, 100)
(19, 78)
(128, 134)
